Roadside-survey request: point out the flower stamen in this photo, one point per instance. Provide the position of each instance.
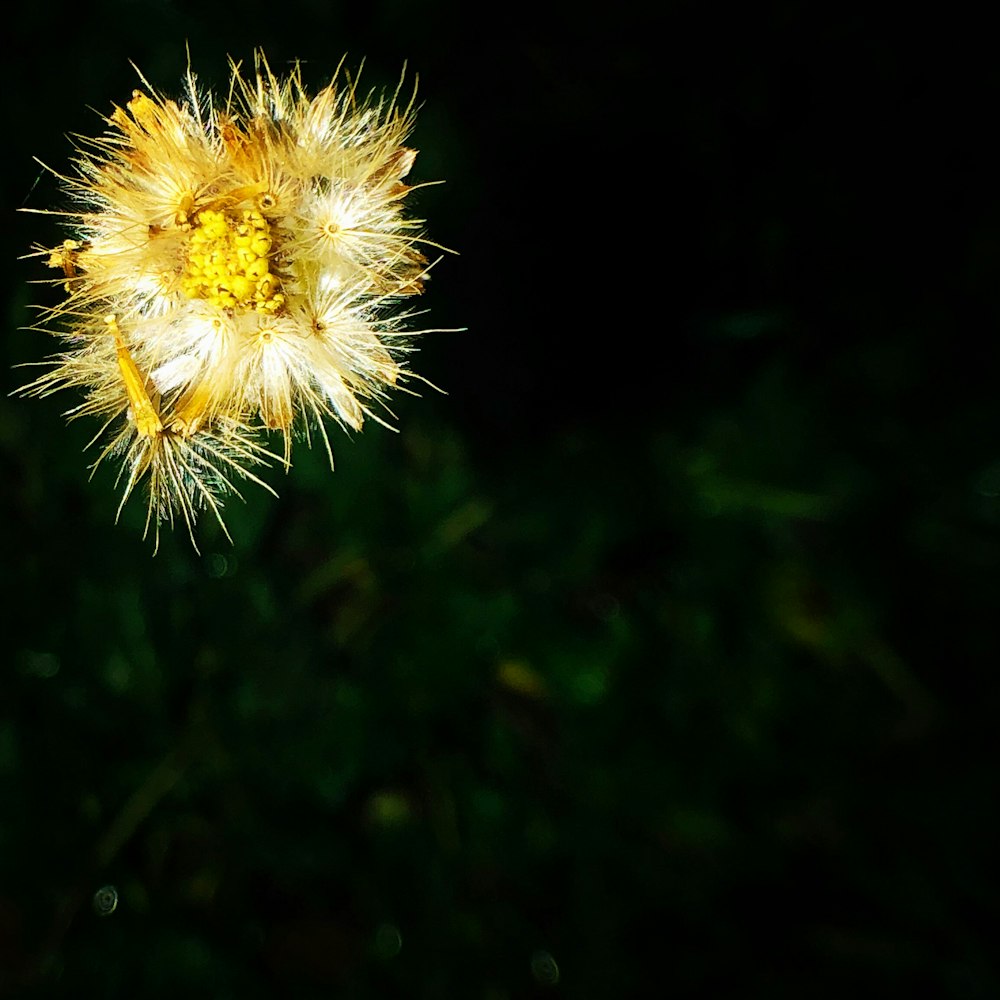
(228, 262)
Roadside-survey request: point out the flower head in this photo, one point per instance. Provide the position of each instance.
(233, 270)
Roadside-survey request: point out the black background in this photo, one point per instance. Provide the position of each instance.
(659, 656)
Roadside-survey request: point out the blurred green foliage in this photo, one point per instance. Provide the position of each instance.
(656, 658)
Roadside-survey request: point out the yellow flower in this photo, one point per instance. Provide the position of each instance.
(233, 269)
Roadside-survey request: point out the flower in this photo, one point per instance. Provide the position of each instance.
(233, 270)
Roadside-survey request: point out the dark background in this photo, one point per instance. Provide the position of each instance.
(659, 657)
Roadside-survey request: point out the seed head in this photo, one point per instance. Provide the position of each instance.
(233, 270)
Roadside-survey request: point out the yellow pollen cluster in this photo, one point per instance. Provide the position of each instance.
(228, 262)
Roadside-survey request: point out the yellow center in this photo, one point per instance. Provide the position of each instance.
(228, 262)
